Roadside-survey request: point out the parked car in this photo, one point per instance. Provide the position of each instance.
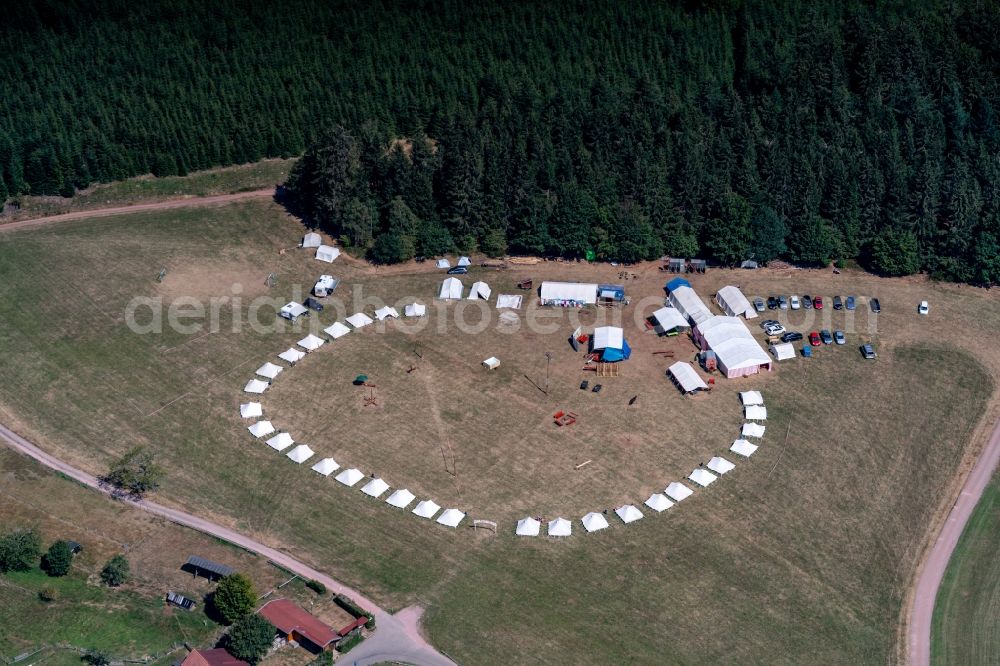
(807, 302)
(826, 337)
(458, 270)
(768, 322)
(783, 302)
(818, 302)
(923, 308)
(758, 304)
(838, 337)
(814, 339)
(837, 303)
(851, 302)
(772, 303)
(795, 302)
(868, 352)
(875, 305)
(791, 336)
(774, 329)
(313, 304)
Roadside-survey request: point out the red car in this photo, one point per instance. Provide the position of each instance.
(814, 339)
(818, 302)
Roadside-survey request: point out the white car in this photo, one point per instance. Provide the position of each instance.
(796, 303)
(774, 329)
(923, 308)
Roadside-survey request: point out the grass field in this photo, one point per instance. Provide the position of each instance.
(803, 553)
(967, 614)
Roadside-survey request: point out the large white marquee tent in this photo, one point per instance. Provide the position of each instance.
(686, 377)
(568, 293)
(686, 301)
(734, 303)
(736, 350)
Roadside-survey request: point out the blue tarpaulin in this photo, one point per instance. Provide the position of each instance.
(612, 355)
(676, 282)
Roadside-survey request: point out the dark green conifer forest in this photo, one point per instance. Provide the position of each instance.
(731, 129)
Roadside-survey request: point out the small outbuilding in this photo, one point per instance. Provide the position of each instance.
(199, 566)
(492, 363)
(299, 626)
(609, 294)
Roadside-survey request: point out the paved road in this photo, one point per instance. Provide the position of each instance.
(918, 633)
(186, 202)
(397, 637)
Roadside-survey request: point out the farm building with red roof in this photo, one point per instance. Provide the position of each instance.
(298, 625)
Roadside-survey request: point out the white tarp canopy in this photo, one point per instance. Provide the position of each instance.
(783, 351)
(375, 487)
(576, 292)
(512, 301)
(702, 477)
(678, 491)
(451, 288)
(689, 304)
(401, 498)
(292, 355)
(292, 310)
(720, 465)
(743, 447)
(608, 337)
(384, 313)
(528, 527)
(492, 363)
(300, 454)
(426, 509)
(311, 342)
(251, 410)
(464, 261)
(756, 412)
(327, 253)
(751, 398)
(734, 303)
(415, 310)
(359, 320)
(733, 344)
(349, 477)
(686, 376)
(628, 513)
(753, 430)
(255, 386)
(668, 319)
(269, 370)
(560, 527)
(281, 441)
(480, 290)
(451, 517)
(658, 502)
(261, 429)
(443, 263)
(312, 239)
(326, 466)
(593, 522)
(336, 330)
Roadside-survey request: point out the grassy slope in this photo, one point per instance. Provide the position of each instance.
(802, 553)
(967, 614)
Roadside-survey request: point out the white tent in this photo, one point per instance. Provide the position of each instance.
(301, 453)
(326, 466)
(720, 465)
(492, 363)
(751, 398)
(292, 355)
(401, 498)
(349, 477)
(668, 319)
(384, 313)
(292, 310)
(311, 342)
(568, 293)
(451, 517)
(753, 430)
(359, 320)
(312, 239)
(261, 429)
(678, 491)
(783, 351)
(426, 509)
(628, 513)
(686, 377)
(336, 330)
(480, 290)
(734, 303)
(255, 386)
(281, 441)
(375, 487)
(327, 253)
(512, 301)
(269, 370)
(415, 310)
(593, 522)
(743, 447)
(560, 527)
(702, 477)
(251, 410)
(737, 351)
(608, 337)
(756, 412)
(528, 527)
(451, 288)
(689, 304)
(464, 261)
(443, 263)
(658, 502)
